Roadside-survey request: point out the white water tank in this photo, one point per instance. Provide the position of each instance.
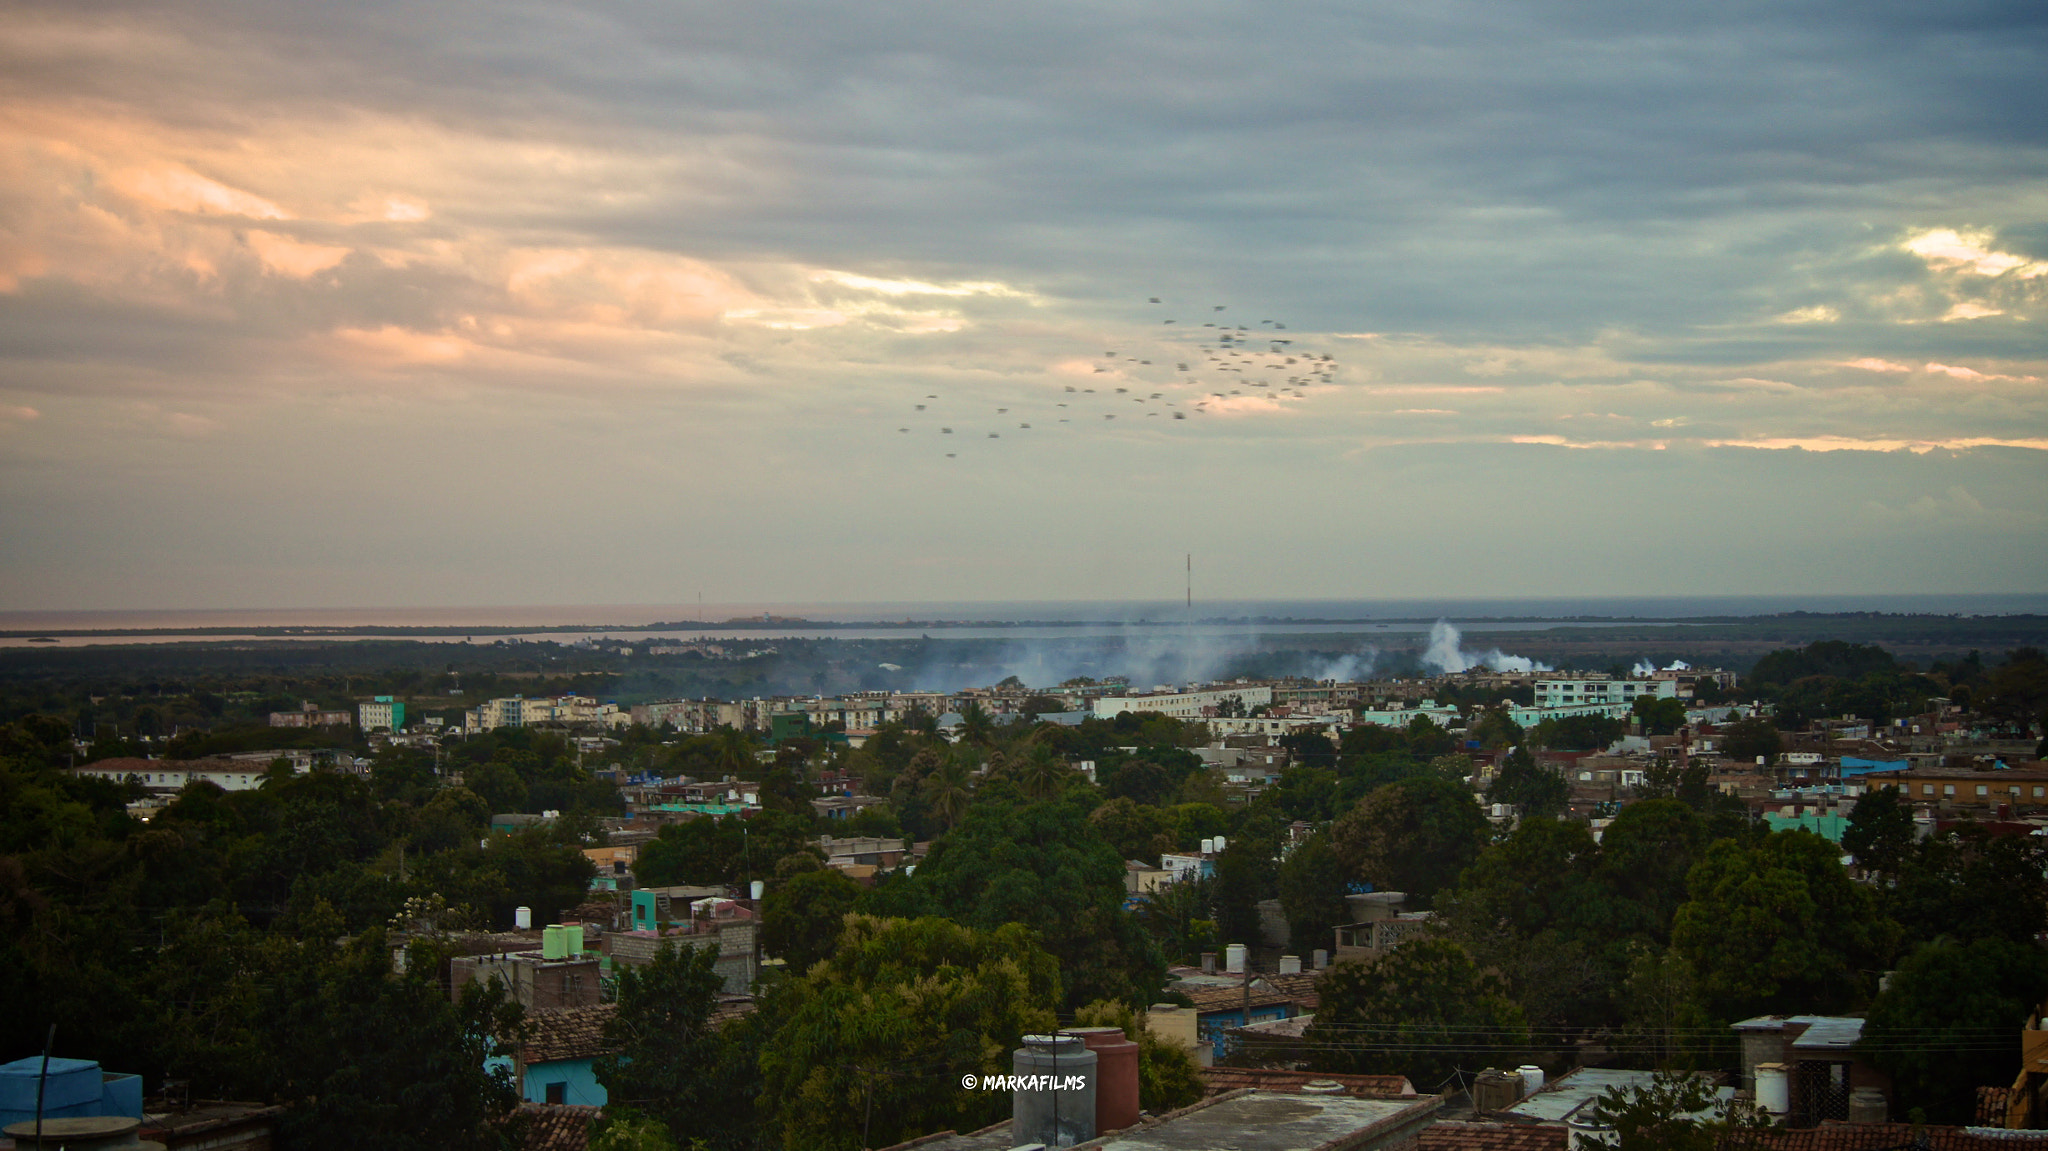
(1221, 843)
(1773, 1089)
(1290, 965)
(522, 918)
(1322, 958)
(1587, 1133)
(759, 888)
(1208, 847)
(1532, 1078)
(1233, 958)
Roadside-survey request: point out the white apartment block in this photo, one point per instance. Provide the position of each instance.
(518, 711)
(1583, 691)
(1400, 715)
(1183, 704)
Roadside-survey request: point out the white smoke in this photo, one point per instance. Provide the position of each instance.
(1644, 667)
(1446, 651)
(1350, 668)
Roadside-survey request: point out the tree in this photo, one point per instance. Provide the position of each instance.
(1536, 790)
(1880, 831)
(1645, 856)
(946, 795)
(801, 922)
(1312, 891)
(1777, 927)
(666, 1061)
(1423, 1010)
(1414, 836)
(1744, 741)
(1133, 830)
(361, 1052)
(1943, 1026)
(1039, 865)
(1660, 715)
(1966, 882)
(1675, 1111)
(873, 1041)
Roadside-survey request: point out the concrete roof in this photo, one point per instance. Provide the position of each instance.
(1269, 1121)
(1246, 1120)
(1575, 1089)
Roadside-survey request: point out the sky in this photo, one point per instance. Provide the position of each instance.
(445, 303)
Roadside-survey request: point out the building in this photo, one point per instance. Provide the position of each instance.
(71, 1089)
(1817, 1056)
(709, 922)
(1977, 791)
(164, 776)
(562, 974)
(382, 713)
(310, 715)
(1600, 688)
(567, 710)
(1198, 704)
(557, 1063)
(1400, 715)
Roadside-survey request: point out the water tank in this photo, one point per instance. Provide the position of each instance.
(1496, 1090)
(554, 942)
(1867, 1105)
(1208, 963)
(1322, 958)
(1116, 1080)
(1290, 965)
(1221, 843)
(1208, 847)
(1532, 1078)
(1233, 959)
(758, 888)
(1323, 1087)
(522, 918)
(1584, 1132)
(1058, 1110)
(1773, 1089)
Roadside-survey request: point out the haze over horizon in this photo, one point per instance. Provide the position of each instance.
(627, 302)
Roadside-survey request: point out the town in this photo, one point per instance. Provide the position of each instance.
(1486, 908)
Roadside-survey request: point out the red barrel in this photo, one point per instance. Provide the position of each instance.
(1116, 1076)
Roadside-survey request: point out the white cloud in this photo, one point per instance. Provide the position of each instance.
(1813, 314)
(1953, 250)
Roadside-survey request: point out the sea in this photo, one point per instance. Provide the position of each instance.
(1017, 619)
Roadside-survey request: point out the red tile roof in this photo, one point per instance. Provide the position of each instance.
(555, 1126)
(571, 1033)
(1491, 1137)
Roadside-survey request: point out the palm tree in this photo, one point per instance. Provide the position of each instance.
(1041, 775)
(975, 726)
(946, 794)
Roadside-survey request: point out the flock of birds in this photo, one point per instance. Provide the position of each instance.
(1237, 359)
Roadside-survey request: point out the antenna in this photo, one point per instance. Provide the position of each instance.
(1191, 581)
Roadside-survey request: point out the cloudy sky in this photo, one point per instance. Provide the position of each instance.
(621, 302)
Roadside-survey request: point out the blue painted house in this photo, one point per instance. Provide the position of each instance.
(557, 1065)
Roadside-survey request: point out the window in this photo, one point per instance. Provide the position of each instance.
(1927, 789)
(1982, 790)
(558, 1092)
(1948, 789)
(2039, 792)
